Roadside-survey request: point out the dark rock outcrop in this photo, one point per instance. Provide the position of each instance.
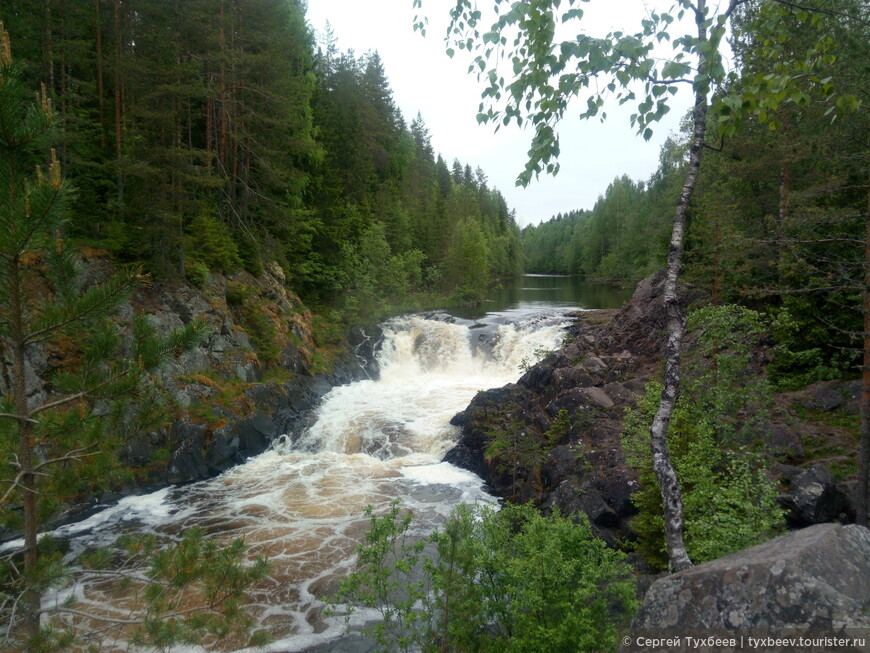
(199, 451)
(812, 496)
(591, 382)
(224, 408)
(815, 578)
(200, 448)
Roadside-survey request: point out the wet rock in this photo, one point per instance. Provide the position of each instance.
(484, 403)
(537, 378)
(255, 434)
(223, 451)
(187, 462)
(366, 342)
(817, 577)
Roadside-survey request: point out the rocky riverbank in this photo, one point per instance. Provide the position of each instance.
(554, 436)
(256, 375)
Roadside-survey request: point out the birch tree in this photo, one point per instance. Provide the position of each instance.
(533, 75)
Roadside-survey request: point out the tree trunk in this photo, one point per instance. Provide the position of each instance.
(861, 492)
(98, 34)
(47, 45)
(31, 598)
(119, 143)
(672, 499)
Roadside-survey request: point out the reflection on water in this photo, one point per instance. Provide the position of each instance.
(531, 292)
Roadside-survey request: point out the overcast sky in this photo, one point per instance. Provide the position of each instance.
(424, 79)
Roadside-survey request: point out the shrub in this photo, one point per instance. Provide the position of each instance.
(237, 294)
(209, 242)
(508, 581)
(729, 502)
(196, 273)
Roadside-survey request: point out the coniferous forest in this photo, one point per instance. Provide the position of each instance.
(205, 205)
(206, 135)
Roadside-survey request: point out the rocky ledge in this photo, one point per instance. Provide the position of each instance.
(808, 590)
(577, 464)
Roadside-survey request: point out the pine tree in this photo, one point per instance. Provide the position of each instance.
(68, 440)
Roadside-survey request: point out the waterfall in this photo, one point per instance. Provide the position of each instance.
(301, 503)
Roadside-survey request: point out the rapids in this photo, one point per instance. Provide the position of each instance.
(301, 503)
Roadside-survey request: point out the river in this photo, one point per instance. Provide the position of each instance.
(301, 503)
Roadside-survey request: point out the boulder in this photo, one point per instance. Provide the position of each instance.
(812, 497)
(815, 578)
(832, 395)
(187, 463)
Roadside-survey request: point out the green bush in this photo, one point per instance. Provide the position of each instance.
(208, 241)
(509, 581)
(237, 294)
(796, 362)
(262, 332)
(196, 273)
(722, 413)
(729, 502)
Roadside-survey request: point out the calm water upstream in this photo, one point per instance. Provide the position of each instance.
(301, 503)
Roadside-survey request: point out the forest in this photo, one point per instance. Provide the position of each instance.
(177, 142)
(220, 136)
(779, 216)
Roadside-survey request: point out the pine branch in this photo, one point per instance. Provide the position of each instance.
(20, 418)
(71, 314)
(79, 395)
(72, 455)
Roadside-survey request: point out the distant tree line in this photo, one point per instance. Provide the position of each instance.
(779, 217)
(218, 135)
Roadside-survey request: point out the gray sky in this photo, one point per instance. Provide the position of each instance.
(423, 78)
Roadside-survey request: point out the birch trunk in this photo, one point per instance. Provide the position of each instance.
(666, 476)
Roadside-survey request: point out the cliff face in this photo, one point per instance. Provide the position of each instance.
(254, 377)
(554, 437)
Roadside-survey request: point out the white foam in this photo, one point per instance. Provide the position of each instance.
(302, 504)
(148, 508)
(440, 473)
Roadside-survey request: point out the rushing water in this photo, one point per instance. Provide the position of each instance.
(301, 504)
